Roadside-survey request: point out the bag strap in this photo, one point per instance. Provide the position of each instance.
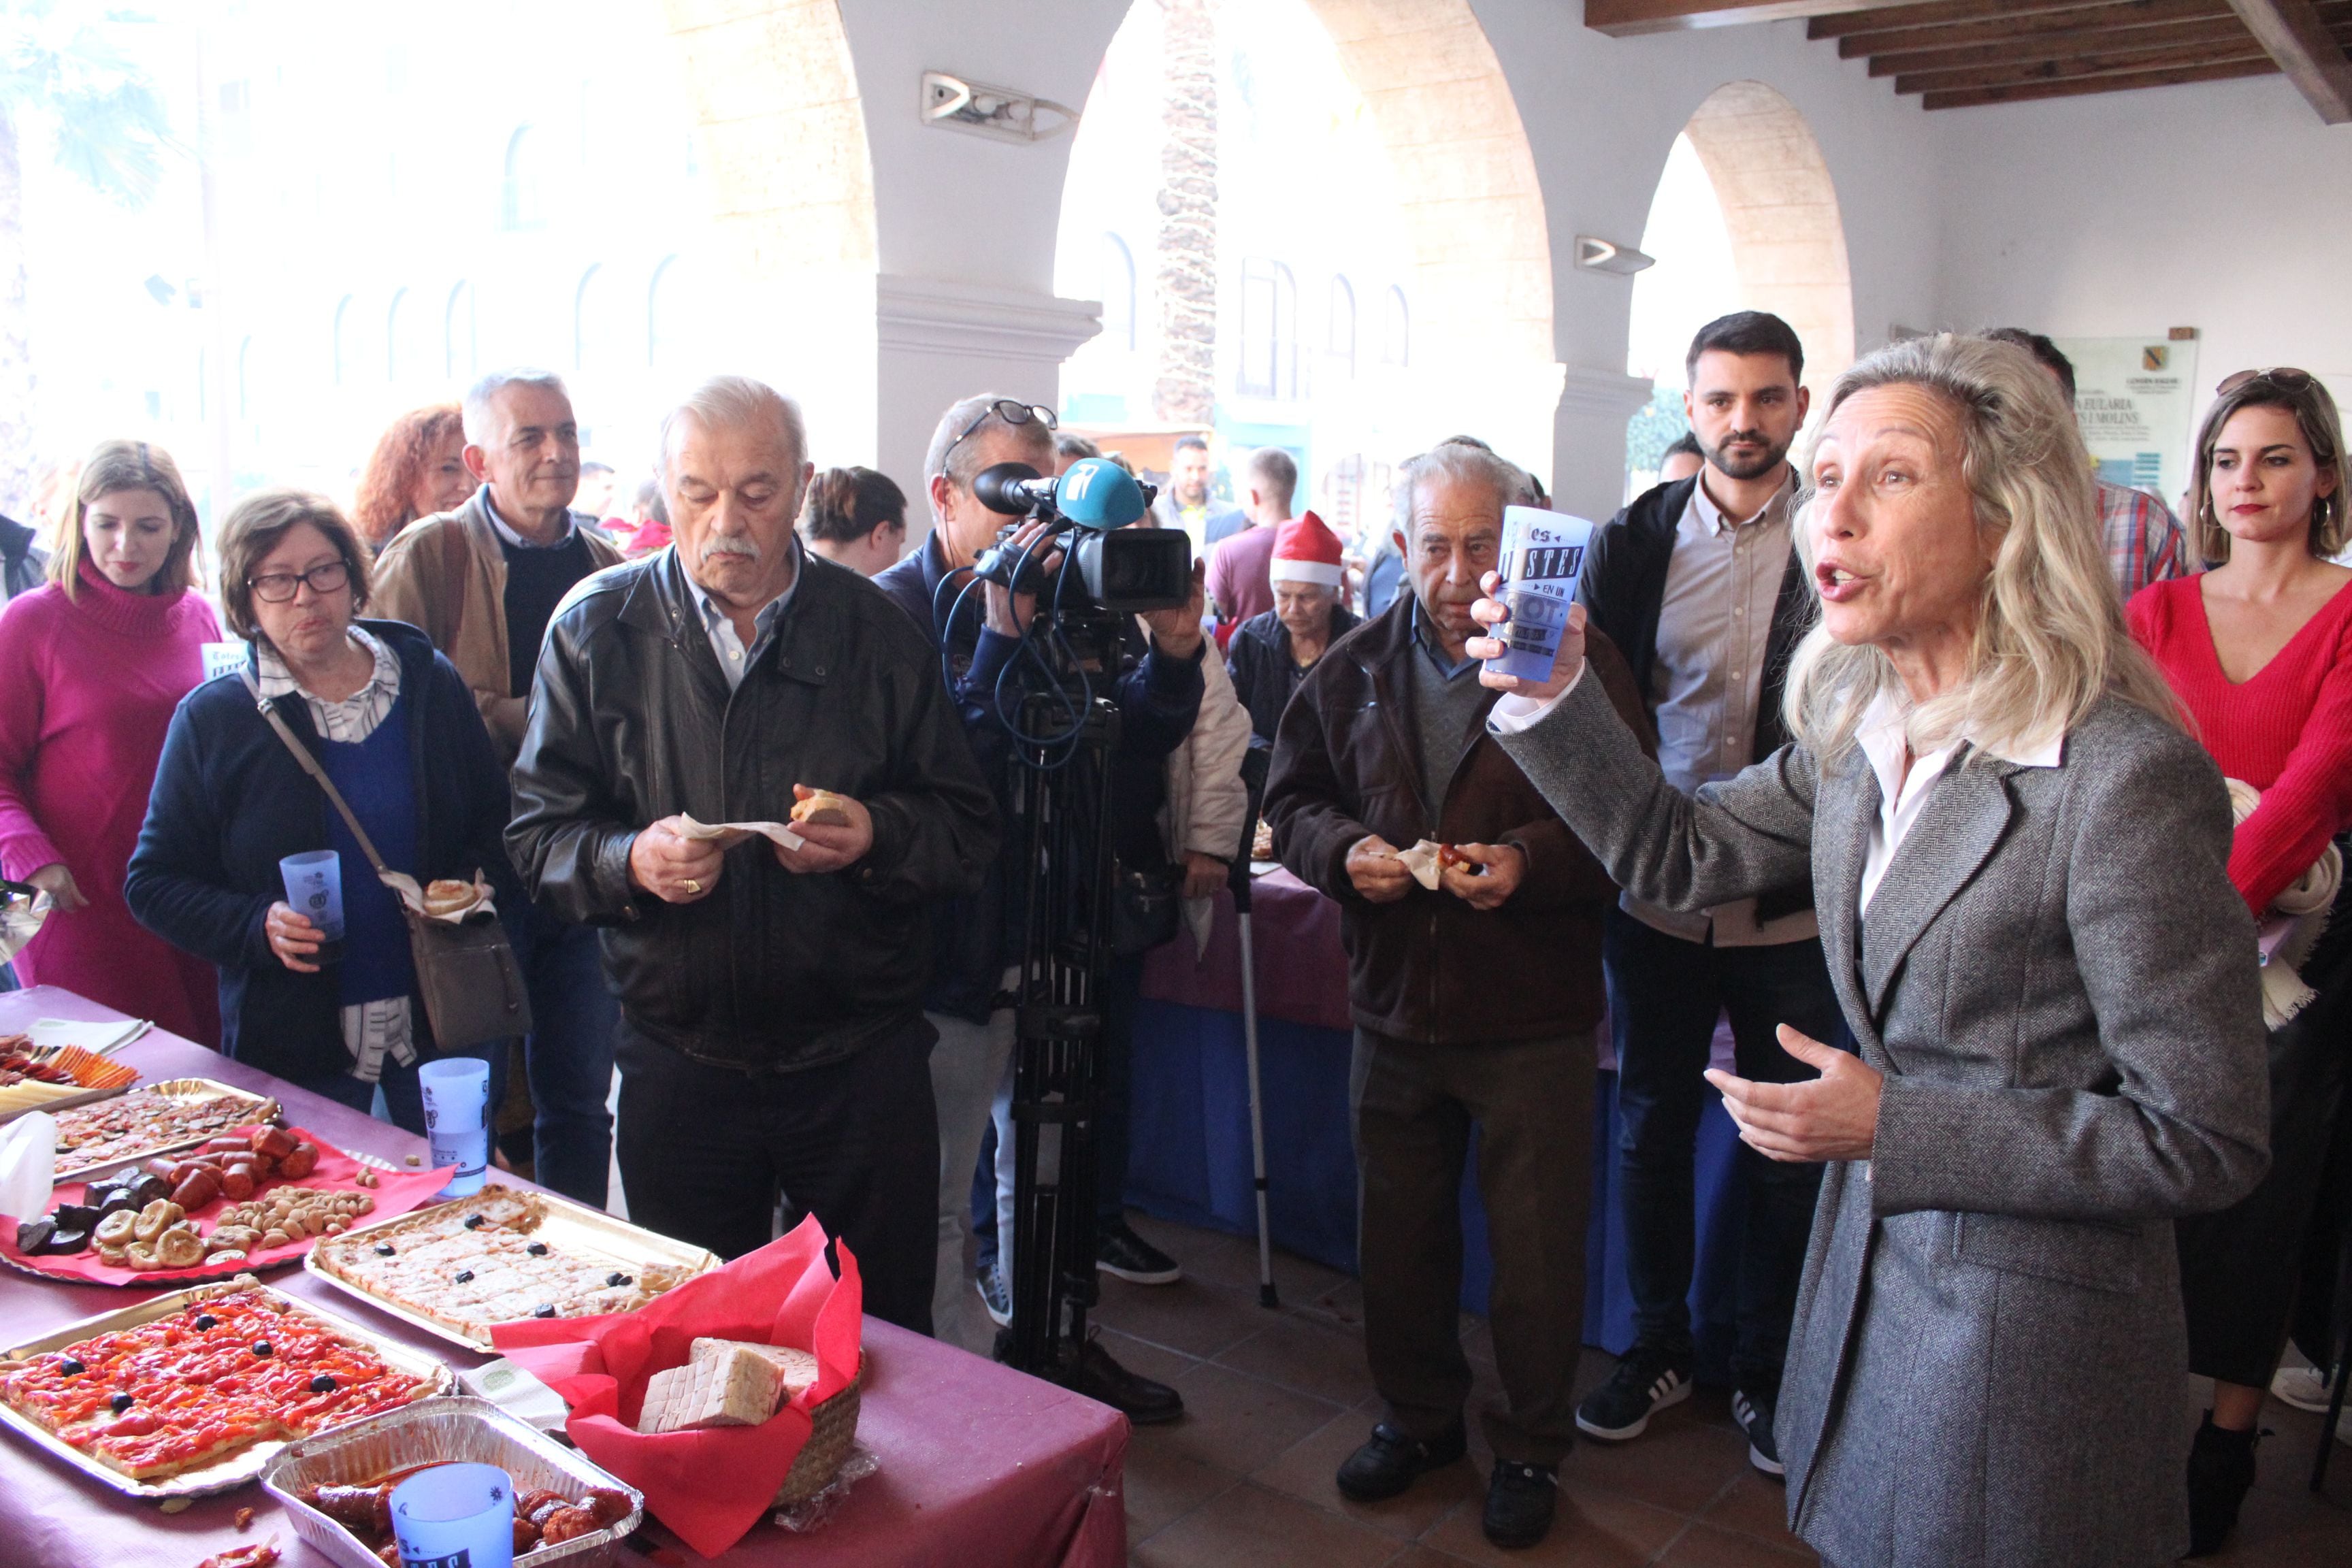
(313, 766)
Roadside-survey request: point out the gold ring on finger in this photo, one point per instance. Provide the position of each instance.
(693, 885)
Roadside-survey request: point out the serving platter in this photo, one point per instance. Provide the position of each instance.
(241, 1108)
(240, 1467)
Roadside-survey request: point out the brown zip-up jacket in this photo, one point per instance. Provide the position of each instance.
(447, 575)
(1429, 968)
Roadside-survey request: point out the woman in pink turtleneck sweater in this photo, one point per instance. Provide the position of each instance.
(91, 667)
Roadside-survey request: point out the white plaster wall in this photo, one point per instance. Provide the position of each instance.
(2225, 206)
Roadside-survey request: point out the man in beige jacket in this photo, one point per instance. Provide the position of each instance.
(482, 582)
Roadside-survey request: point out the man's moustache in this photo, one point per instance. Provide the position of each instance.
(743, 547)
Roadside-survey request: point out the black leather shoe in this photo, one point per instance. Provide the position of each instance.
(2220, 1473)
(1147, 1403)
(1391, 1461)
(1520, 1503)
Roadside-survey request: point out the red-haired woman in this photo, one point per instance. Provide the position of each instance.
(418, 468)
(91, 667)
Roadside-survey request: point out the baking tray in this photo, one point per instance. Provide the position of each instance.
(566, 1225)
(458, 1430)
(238, 1468)
(259, 1108)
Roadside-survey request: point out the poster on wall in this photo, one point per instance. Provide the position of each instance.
(2132, 398)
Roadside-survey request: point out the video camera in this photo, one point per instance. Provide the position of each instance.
(1121, 569)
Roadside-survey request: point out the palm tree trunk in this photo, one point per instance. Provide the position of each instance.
(1185, 388)
(19, 452)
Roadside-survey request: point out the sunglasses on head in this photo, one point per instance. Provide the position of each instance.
(1012, 414)
(2284, 377)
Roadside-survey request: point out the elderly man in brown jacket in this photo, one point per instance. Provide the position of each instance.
(483, 582)
(1385, 745)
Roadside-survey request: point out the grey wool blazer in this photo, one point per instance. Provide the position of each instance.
(1989, 1359)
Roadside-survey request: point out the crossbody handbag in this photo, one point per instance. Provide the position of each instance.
(466, 970)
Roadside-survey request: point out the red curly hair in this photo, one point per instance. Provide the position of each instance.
(382, 506)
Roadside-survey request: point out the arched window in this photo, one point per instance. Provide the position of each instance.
(395, 330)
(521, 200)
(1339, 328)
(1269, 357)
(594, 316)
(342, 346)
(1118, 286)
(457, 359)
(667, 312)
(1396, 330)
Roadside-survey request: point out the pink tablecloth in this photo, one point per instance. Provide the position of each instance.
(1302, 971)
(980, 1466)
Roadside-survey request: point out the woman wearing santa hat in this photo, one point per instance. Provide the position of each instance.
(1271, 653)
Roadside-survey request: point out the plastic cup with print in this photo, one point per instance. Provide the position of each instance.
(1543, 553)
(455, 1516)
(314, 889)
(457, 1092)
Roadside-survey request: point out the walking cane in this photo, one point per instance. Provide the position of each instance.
(1253, 770)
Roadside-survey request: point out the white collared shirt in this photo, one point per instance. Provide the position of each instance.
(734, 657)
(1903, 793)
(490, 511)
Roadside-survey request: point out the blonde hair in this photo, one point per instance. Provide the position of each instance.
(113, 467)
(2322, 431)
(2050, 637)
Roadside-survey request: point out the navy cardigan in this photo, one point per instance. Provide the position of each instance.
(230, 802)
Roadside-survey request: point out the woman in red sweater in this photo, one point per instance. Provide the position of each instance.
(2259, 650)
(91, 667)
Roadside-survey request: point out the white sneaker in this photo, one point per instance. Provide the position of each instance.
(2305, 1388)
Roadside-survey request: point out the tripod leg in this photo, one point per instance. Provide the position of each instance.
(1265, 1292)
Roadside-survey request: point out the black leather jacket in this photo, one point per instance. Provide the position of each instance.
(630, 721)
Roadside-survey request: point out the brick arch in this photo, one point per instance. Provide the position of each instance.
(1788, 240)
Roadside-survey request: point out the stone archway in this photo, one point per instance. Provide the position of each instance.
(1788, 240)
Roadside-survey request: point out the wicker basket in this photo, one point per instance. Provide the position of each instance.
(833, 1430)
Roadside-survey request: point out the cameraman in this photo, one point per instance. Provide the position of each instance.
(976, 949)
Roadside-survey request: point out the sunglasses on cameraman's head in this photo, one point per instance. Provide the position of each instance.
(1014, 415)
(2282, 377)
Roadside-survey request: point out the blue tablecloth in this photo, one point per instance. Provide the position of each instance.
(1190, 1161)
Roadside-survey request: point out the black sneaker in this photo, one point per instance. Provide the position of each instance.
(1391, 1461)
(994, 1297)
(1121, 1252)
(1644, 1383)
(1520, 1503)
(2220, 1473)
(1754, 1413)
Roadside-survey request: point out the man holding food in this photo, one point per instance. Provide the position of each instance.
(771, 975)
(1388, 795)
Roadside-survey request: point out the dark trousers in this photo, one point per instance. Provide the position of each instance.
(1664, 998)
(1529, 1105)
(404, 1095)
(568, 1058)
(706, 1151)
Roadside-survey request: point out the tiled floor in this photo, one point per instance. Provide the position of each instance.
(1275, 1400)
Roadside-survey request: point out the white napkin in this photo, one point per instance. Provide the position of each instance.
(412, 896)
(98, 1037)
(28, 1164)
(731, 833)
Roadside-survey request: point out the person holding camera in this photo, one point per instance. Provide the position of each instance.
(1474, 1000)
(771, 1032)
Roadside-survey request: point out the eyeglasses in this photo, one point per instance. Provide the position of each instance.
(279, 587)
(2285, 377)
(1012, 412)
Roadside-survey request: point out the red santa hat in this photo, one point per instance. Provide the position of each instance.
(1305, 552)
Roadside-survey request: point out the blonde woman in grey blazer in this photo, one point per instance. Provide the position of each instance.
(2020, 861)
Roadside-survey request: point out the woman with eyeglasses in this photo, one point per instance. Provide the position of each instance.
(2258, 648)
(91, 666)
(398, 732)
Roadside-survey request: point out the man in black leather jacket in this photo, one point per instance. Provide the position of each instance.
(771, 1031)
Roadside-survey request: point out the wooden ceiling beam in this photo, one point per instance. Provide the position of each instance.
(1936, 13)
(2076, 66)
(2057, 45)
(2024, 92)
(1632, 18)
(2292, 33)
(2080, 19)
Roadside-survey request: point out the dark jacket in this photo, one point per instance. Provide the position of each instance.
(632, 721)
(1265, 675)
(1429, 968)
(24, 564)
(230, 802)
(1622, 586)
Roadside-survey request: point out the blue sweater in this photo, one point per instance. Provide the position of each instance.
(230, 802)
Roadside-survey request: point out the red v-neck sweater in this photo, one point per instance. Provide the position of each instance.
(2287, 731)
(88, 687)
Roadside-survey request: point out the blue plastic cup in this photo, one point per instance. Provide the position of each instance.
(314, 889)
(1543, 553)
(455, 1516)
(456, 1091)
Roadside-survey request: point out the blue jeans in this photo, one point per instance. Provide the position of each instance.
(569, 1055)
(402, 1095)
(1664, 998)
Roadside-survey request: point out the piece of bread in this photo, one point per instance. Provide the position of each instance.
(797, 1370)
(731, 1387)
(446, 897)
(822, 806)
